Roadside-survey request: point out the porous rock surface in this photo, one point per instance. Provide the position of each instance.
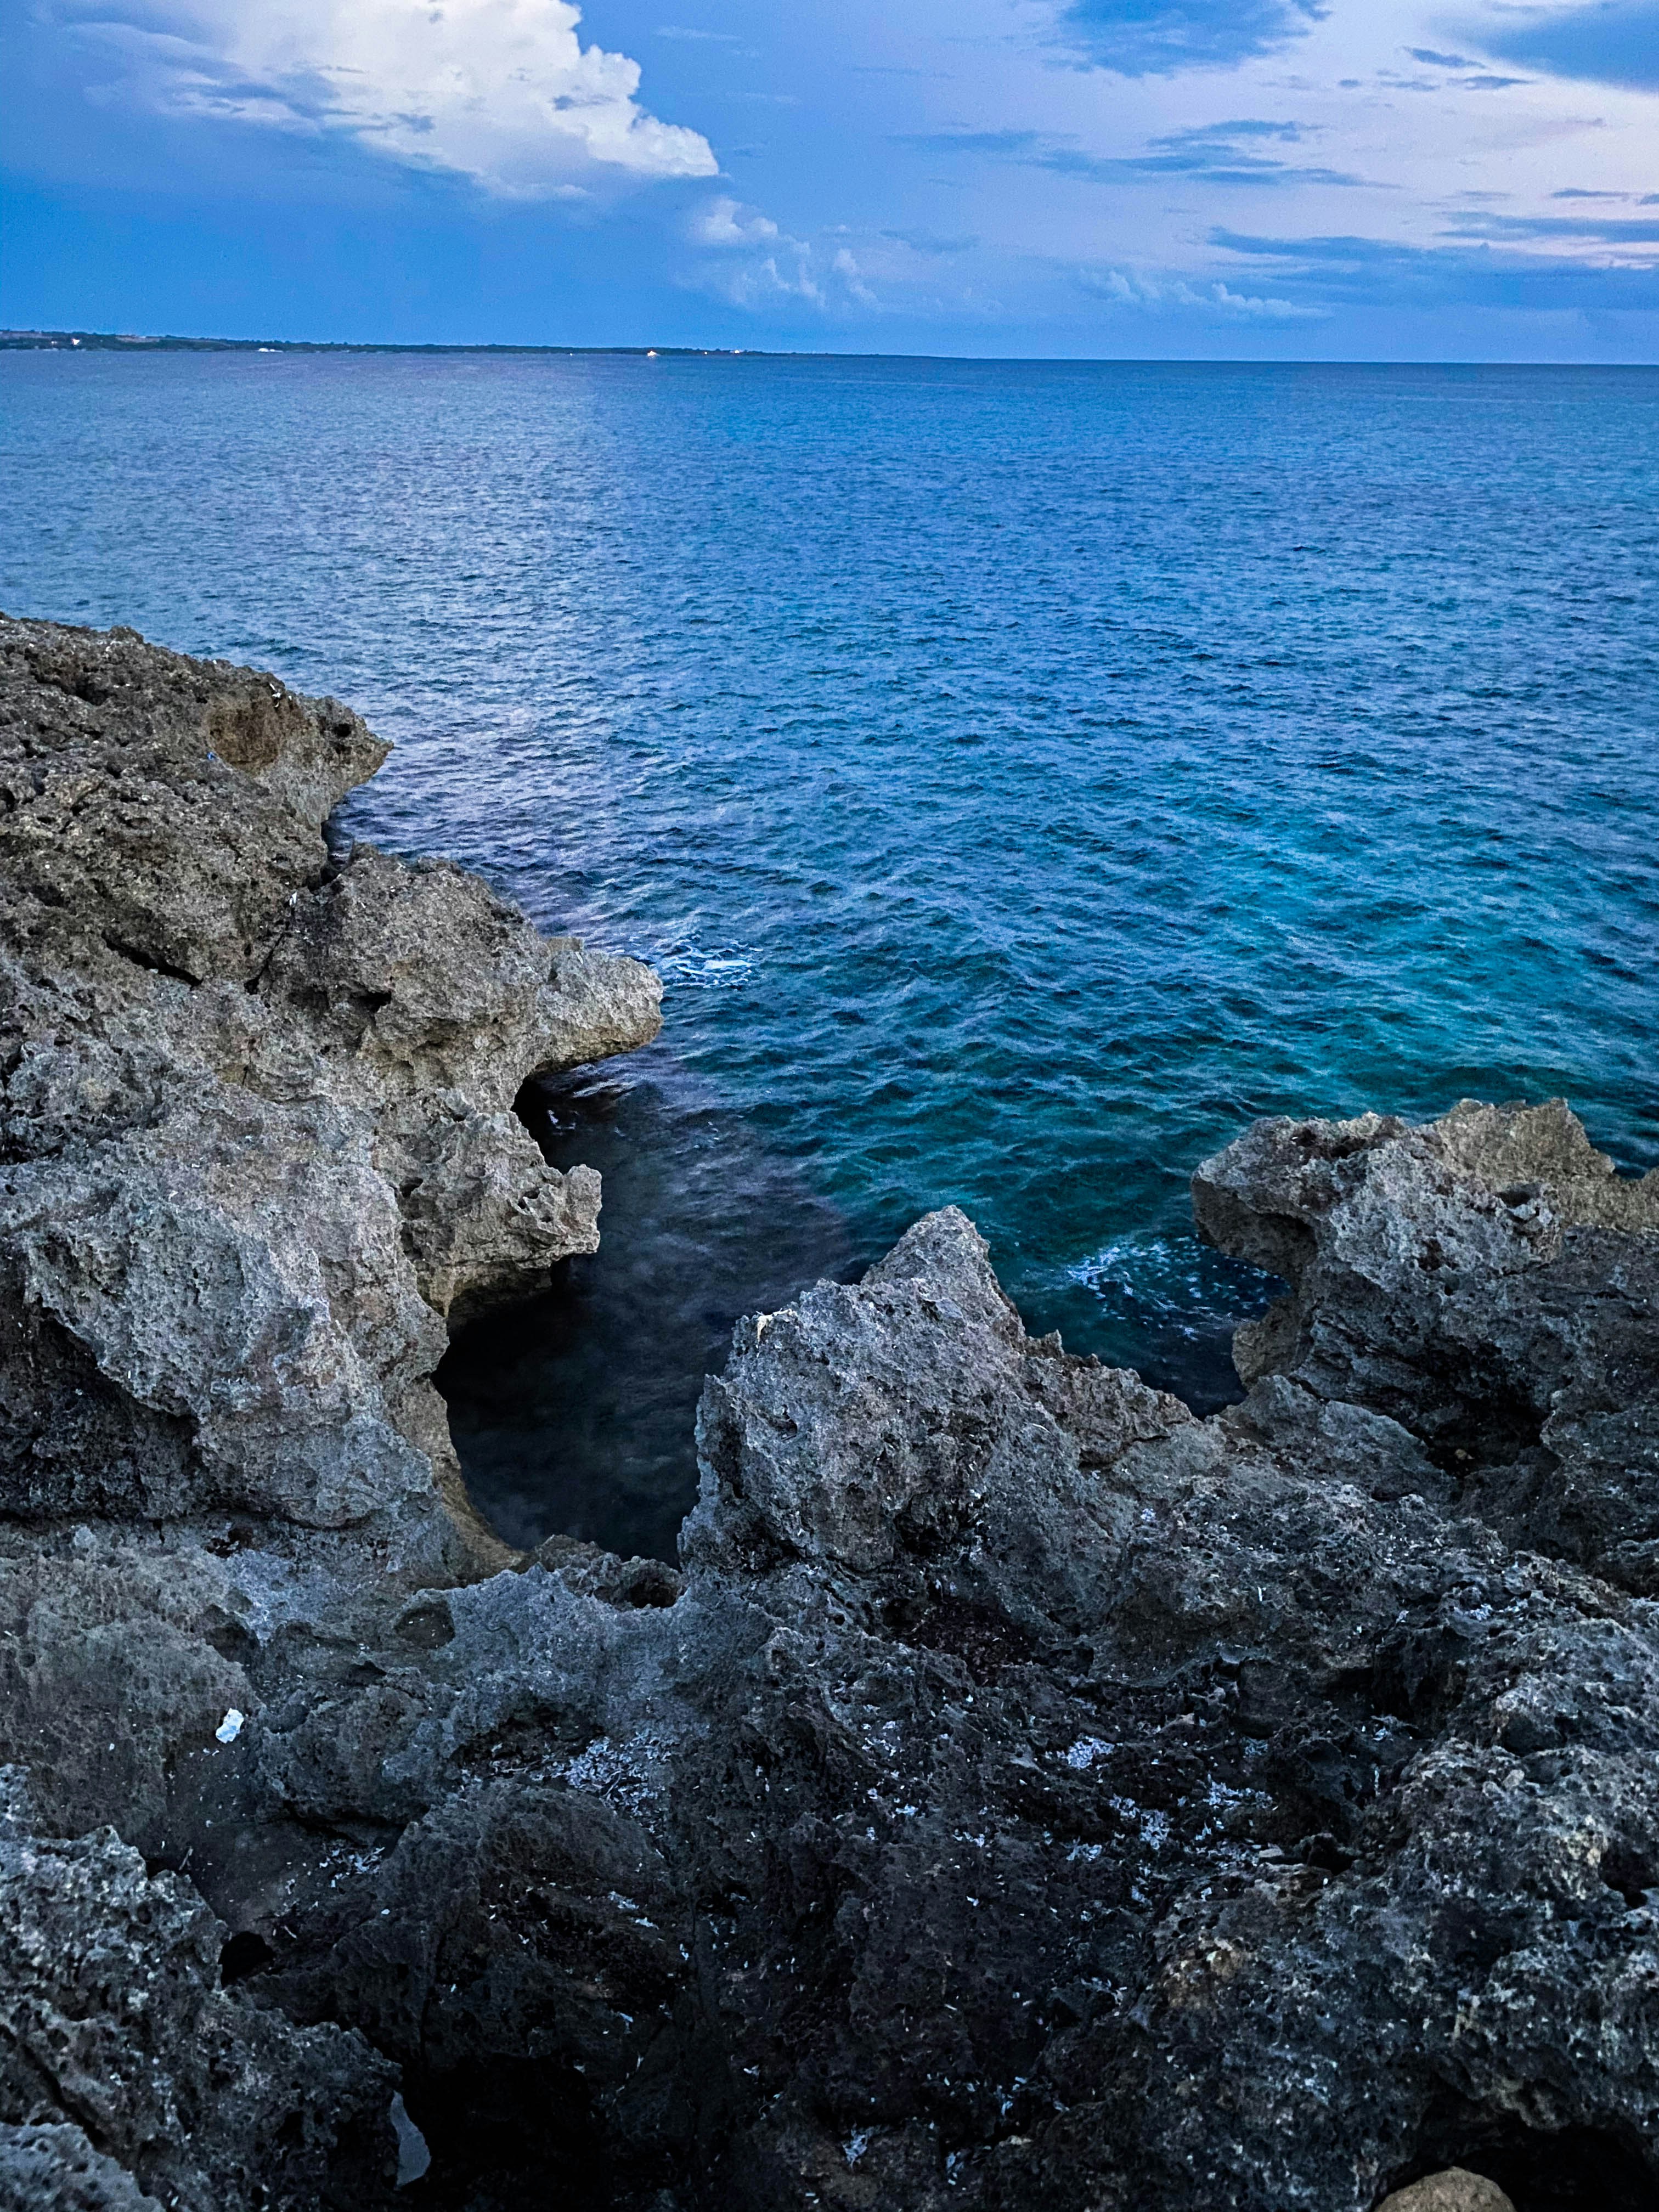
(1457, 2190)
(1024, 1796)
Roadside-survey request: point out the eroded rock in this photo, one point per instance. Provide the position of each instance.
(1023, 1797)
(55, 2164)
(1489, 1282)
(255, 1143)
(258, 1107)
(114, 2033)
(1034, 1797)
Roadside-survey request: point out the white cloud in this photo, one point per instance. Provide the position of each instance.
(1159, 293)
(723, 223)
(1265, 309)
(851, 275)
(756, 265)
(753, 263)
(501, 91)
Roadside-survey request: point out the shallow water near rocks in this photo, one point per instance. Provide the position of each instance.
(1023, 775)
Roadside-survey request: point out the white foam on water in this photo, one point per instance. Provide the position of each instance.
(691, 967)
(1174, 1282)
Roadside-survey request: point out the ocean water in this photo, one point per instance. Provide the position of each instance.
(1022, 774)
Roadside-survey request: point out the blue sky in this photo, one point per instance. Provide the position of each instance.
(1327, 179)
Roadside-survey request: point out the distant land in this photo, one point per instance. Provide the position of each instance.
(124, 341)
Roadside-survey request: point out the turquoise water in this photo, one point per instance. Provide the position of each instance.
(1023, 773)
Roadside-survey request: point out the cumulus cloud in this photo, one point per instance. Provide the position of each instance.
(753, 262)
(1160, 294)
(725, 223)
(501, 91)
(852, 276)
(750, 262)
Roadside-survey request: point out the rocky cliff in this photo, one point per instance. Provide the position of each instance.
(1023, 1798)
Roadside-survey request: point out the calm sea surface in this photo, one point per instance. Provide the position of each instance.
(1022, 774)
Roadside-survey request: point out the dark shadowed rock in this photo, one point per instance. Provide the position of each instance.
(56, 2166)
(1034, 1797)
(115, 2031)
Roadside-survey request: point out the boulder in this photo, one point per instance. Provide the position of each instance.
(1453, 2191)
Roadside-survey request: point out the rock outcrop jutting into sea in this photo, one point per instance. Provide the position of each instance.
(1023, 1798)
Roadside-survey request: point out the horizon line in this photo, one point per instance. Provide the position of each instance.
(127, 341)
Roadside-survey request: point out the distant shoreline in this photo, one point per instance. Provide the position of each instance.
(132, 341)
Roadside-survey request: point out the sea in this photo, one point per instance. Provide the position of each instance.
(1022, 774)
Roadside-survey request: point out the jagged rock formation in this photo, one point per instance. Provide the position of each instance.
(258, 1121)
(111, 2008)
(1025, 1797)
(255, 1142)
(1487, 1282)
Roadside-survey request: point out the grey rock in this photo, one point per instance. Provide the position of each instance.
(164, 806)
(257, 1145)
(1033, 1797)
(1023, 1798)
(1453, 2191)
(113, 2026)
(258, 1107)
(54, 2168)
(1487, 1282)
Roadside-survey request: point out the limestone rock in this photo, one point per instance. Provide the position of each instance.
(1486, 1281)
(1453, 2191)
(258, 1107)
(167, 807)
(54, 2168)
(255, 1143)
(112, 2025)
(1023, 1797)
(1032, 1797)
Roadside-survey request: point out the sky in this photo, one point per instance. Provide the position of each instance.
(1376, 180)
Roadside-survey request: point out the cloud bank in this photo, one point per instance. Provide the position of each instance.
(1160, 294)
(500, 91)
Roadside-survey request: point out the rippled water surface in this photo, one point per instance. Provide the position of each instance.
(1023, 773)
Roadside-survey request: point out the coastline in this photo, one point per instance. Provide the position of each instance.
(1022, 1792)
